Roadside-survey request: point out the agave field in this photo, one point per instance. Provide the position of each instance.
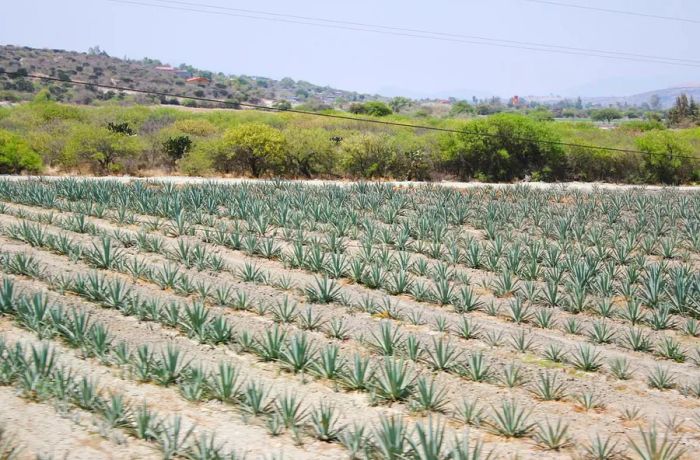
(275, 320)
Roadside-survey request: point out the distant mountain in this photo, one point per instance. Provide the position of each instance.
(667, 96)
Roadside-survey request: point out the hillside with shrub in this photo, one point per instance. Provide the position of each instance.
(96, 66)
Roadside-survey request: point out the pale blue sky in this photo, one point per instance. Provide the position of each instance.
(370, 62)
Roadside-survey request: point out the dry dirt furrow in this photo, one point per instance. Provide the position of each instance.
(42, 432)
(585, 319)
(560, 408)
(353, 406)
(211, 417)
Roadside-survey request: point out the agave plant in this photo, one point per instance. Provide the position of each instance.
(390, 438)
(394, 381)
(652, 446)
(510, 420)
(323, 290)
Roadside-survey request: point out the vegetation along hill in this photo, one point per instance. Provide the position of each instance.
(151, 74)
(62, 127)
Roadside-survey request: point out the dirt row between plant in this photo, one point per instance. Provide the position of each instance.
(549, 407)
(353, 407)
(583, 186)
(210, 417)
(41, 431)
(236, 259)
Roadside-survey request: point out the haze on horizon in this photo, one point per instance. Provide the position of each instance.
(379, 63)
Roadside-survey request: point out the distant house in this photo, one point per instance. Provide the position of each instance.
(183, 73)
(165, 68)
(198, 80)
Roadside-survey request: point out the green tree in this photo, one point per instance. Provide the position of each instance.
(399, 103)
(504, 147)
(374, 108)
(282, 105)
(608, 114)
(377, 109)
(255, 146)
(16, 155)
(366, 155)
(177, 146)
(461, 108)
(666, 158)
(308, 151)
(655, 102)
(104, 150)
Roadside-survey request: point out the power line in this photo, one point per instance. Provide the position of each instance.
(614, 11)
(407, 32)
(342, 117)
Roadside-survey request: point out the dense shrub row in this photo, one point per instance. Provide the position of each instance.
(502, 147)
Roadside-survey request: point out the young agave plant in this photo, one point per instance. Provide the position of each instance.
(104, 255)
(548, 387)
(390, 437)
(358, 374)
(585, 358)
(428, 396)
(428, 441)
(602, 448)
(388, 340)
(289, 409)
(299, 354)
(395, 381)
(464, 449)
(324, 422)
(661, 378)
(323, 290)
(652, 446)
(510, 420)
(553, 436)
(443, 355)
(476, 368)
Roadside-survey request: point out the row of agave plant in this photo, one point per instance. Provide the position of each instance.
(518, 310)
(670, 289)
(429, 213)
(299, 354)
(280, 413)
(583, 357)
(39, 379)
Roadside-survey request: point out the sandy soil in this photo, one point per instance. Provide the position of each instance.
(583, 186)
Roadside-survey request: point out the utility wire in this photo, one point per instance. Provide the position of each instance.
(405, 32)
(344, 117)
(614, 11)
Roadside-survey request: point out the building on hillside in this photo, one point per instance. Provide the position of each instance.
(198, 80)
(165, 68)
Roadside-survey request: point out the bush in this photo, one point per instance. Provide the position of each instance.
(308, 152)
(504, 147)
(374, 108)
(666, 160)
(105, 151)
(176, 147)
(195, 127)
(366, 155)
(588, 163)
(200, 160)
(253, 146)
(16, 156)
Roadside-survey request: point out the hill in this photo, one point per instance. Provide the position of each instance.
(151, 74)
(667, 97)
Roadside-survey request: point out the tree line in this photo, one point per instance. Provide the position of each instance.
(48, 136)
